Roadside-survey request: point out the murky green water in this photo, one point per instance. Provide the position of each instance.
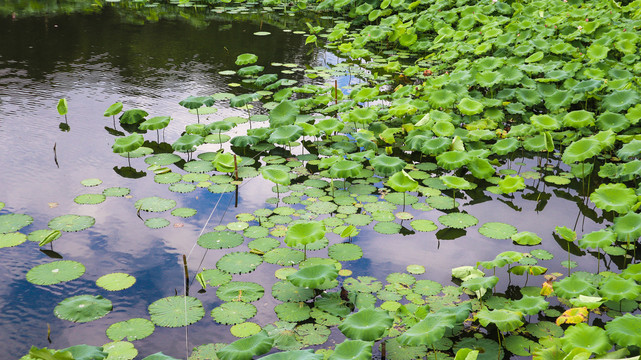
(96, 59)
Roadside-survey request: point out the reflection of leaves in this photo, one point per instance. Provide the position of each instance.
(574, 249)
(510, 204)
(450, 234)
(129, 172)
(114, 132)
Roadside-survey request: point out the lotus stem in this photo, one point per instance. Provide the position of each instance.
(128, 159)
(114, 118)
(157, 135)
(198, 115)
(435, 355)
(569, 265)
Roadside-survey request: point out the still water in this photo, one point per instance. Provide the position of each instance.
(98, 58)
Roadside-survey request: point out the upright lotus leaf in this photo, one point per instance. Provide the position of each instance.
(480, 284)
(468, 106)
(455, 182)
(628, 226)
(624, 330)
(241, 100)
(612, 121)
(452, 160)
(275, 175)
(294, 355)
(155, 123)
(614, 197)
(510, 184)
(588, 302)
(283, 114)
(246, 59)
(505, 320)
(598, 239)
(113, 109)
(133, 116)
(544, 122)
(436, 146)
(313, 276)
(362, 115)
(578, 119)
(244, 141)
(581, 150)
(62, 106)
(285, 134)
(329, 126)
(352, 350)
(505, 146)
(530, 305)
(220, 126)
(617, 288)
(304, 233)
(194, 102)
(187, 142)
(387, 165)
(224, 162)
(573, 286)
(247, 348)
(481, 168)
(402, 182)
(629, 150)
(526, 238)
(345, 169)
(368, 324)
(621, 100)
(128, 143)
(591, 338)
(428, 331)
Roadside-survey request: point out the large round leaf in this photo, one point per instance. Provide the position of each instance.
(83, 308)
(313, 276)
(402, 182)
(247, 348)
(304, 233)
(155, 123)
(628, 226)
(176, 311)
(187, 142)
(387, 165)
(581, 150)
(505, 320)
(55, 272)
(13, 222)
(624, 330)
(352, 350)
(132, 329)
(71, 223)
(367, 324)
(614, 197)
(591, 338)
(285, 134)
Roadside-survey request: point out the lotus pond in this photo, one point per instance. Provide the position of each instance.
(340, 180)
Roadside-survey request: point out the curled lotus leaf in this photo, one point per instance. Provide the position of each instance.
(275, 175)
(526, 238)
(194, 102)
(244, 141)
(620, 100)
(345, 169)
(436, 146)
(510, 184)
(573, 286)
(283, 114)
(452, 160)
(294, 355)
(246, 59)
(480, 283)
(283, 135)
(187, 142)
(481, 168)
(155, 123)
(597, 239)
(612, 121)
(368, 324)
(505, 320)
(455, 182)
(468, 106)
(581, 150)
(591, 338)
(614, 197)
(578, 119)
(544, 122)
(402, 182)
(624, 330)
(304, 233)
(628, 226)
(133, 116)
(113, 109)
(128, 143)
(387, 165)
(530, 305)
(247, 348)
(313, 276)
(505, 146)
(617, 288)
(629, 150)
(429, 330)
(352, 350)
(329, 126)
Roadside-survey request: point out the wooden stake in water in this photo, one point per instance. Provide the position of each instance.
(186, 275)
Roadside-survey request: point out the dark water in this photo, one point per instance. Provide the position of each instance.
(96, 59)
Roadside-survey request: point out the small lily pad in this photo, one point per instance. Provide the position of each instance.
(497, 230)
(156, 223)
(83, 308)
(91, 182)
(71, 223)
(458, 220)
(184, 212)
(284, 256)
(12, 239)
(387, 227)
(345, 252)
(116, 281)
(55, 272)
(116, 192)
(89, 199)
(245, 329)
(154, 204)
(220, 239)
(415, 269)
(132, 329)
(423, 225)
(239, 262)
(292, 312)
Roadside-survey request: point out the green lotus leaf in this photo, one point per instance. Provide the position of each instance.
(244, 141)
(294, 354)
(628, 226)
(597, 239)
(194, 102)
(581, 150)
(247, 348)
(266, 79)
(220, 239)
(510, 184)
(285, 134)
(614, 197)
(83, 308)
(275, 175)
(505, 146)
(480, 284)
(12, 239)
(436, 146)
(329, 126)
(154, 204)
(128, 143)
(245, 59)
(572, 287)
(544, 122)
(55, 272)
(429, 330)
(505, 320)
(362, 115)
(240, 291)
(526, 238)
(544, 329)
(402, 182)
(591, 338)
(352, 350)
(116, 281)
(241, 100)
(232, 313)
(283, 114)
(452, 160)
(250, 70)
(387, 165)
(633, 271)
(443, 128)
(155, 123)
(578, 119)
(313, 276)
(176, 311)
(621, 100)
(345, 169)
(13, 222)
(423, 225)
(367, 324)
(624, 330)
(558, 99)
(631, 149)
(213, 277)
(292, 312)
(616, 288)
(286, 291)
(132, 329)
(345, 252)
(304, 233)
(187, 142)
(468, 106)
(113, 109)
(89, 199)
(497, 230)
(441, 98)
(133, 116)
(239, 262)
(455, 182)
(530, 305)
(458, 220)
(159, 356)
(612, 121)
(71, 223)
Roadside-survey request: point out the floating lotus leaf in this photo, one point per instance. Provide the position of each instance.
(154, 204)
(159, 356)
(591, 338)
(628, 226)
(581, 150)
(345, 169)
(275, 175)
(133, 116)
(285, 134)
(616, 288)
(624, 330)
(232, 313)
(387, 165)
(247, 348)
(387, 227)
(286, 291)
(213, 277)
(304, 233)
(194, 102)
(116, 281)
(458, 220)
(13, 222)
(220, 240)
(176, 311)
(89, 199)
(497, 230)
(367, 324)
(128, 143)
(544, 122)
(155, 123)
(468, 106)
(452, 160)
(573, 286)
(505, 146)
(441, 202)
(345, 252)
(240, 291)
(239, 262)
(428, 331)
(505, 320)
(12, 239)
(284, 256)
(631, 149)
(423, 225)
(187, 142)
(83, 308)
(292, 312)
(614, 197)
(526, 238)
(283, 114)
(352, 350)
(619, 101)
(544, 329)
(313, 276)
(71, 223)
(612, 121)
(55, 272)
(329, 126)
(132, 329)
